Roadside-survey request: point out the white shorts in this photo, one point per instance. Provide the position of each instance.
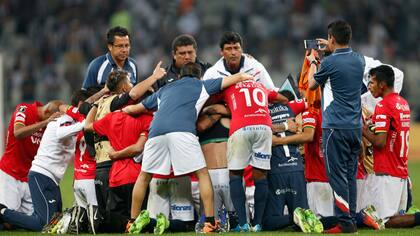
(250, 145)
(171, 197)
(15, 194)
(181, 150)
(388, 194)
(249, 194)
(85, 193)
(361, 194)
(221, 190)
(320, 198)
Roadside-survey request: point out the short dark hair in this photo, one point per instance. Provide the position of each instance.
(230, 37)
(383, 73)
(116, 31)
(183, 40)
(341, 31)
(191, 69)
(79, 96)
(115, 78)
(288, 94)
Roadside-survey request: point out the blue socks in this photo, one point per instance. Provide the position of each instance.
(237, 193)
(260, 199)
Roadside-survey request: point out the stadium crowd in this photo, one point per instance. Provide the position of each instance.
(215, 148)
(48, 45)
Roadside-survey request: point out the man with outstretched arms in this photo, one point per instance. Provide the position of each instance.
(173, 142)
(249, 143)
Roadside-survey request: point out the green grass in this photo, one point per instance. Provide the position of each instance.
(414, 168)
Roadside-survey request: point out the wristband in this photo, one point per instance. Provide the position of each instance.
(313, 62)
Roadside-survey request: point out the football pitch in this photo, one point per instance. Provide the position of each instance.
(414, 168)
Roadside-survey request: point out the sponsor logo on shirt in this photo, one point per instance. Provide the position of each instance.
(260, 110)
(381, 117)
(403, 107)
(380, 124)
(308, 120)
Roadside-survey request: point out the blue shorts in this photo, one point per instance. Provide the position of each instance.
(288, 189)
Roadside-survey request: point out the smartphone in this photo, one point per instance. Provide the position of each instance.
(311, 44)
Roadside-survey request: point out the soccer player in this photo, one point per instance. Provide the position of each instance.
(84, 167)
(123, 131)
(213, 128)
(286, 181)
(26, 127)
(389, 138)
(56, 150)
(173, 142)
(118, 43)
(233, 60)
(170, 193)
(249, 143)
(340, 76)
(121, 93)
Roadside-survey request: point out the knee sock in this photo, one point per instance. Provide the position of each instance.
(260, 199)
(233, 219)
(237, 193)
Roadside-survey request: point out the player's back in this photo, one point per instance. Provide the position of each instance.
(248, 103)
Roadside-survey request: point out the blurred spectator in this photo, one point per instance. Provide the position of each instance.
(60, 37)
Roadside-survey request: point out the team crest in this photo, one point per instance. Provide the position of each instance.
(22, 108)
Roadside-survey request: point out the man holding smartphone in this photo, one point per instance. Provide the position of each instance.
(340, 76)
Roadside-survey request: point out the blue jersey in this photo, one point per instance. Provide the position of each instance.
(285, 158)
(178, 104)
(99, 69)
(340, 77)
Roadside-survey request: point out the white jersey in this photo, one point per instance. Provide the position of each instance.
(251, 66)
(368, 100)
(57, 148)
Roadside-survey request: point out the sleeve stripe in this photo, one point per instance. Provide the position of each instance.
(380, 131)
(308, 126)
(20, 123)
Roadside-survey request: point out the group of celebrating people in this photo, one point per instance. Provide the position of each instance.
(215, 148)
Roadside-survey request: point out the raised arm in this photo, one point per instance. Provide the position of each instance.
(233, 79)
(312, 70)
(90, 118)
(134, 109)
(141, 88)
